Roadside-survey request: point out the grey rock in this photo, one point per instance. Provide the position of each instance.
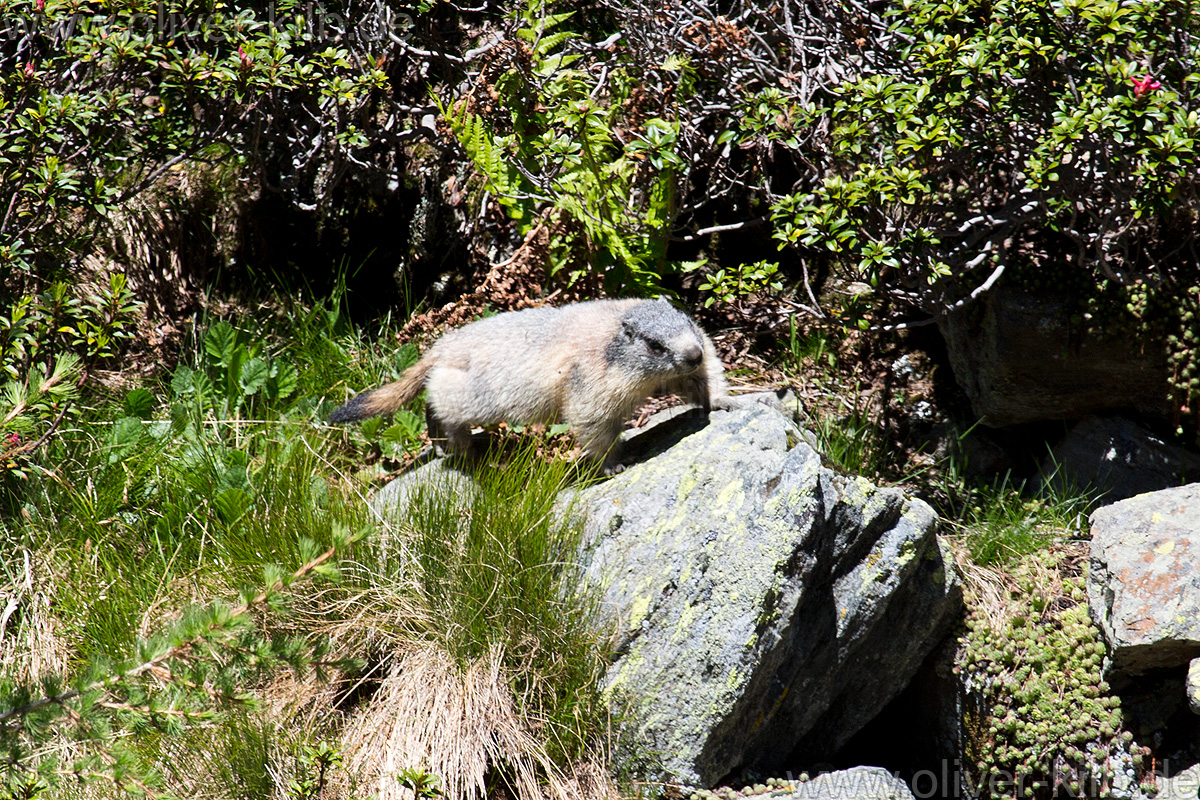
(1193, 685)
(768, 608)
(856, 783)
(1116, 459)
(1144, 579)
(1183, 786)
(399, 493)
(783, 400)
(1019, 359)
(638, 445)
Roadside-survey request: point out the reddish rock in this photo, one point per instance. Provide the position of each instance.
(1144, 579)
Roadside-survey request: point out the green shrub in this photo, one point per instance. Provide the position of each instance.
(730, 285)
(46, 341)
(102, 102)
(1049, 145)
(549, 141)
(993, 118)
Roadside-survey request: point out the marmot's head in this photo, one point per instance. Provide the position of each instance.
(657, 340)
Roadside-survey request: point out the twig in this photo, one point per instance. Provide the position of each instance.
(16, 451)
(475, 53)
(733, 226)
(8, 215)
(173, 652)
(808, 288)
(902, 326)
(945, 312)
(816, 312)
(416, 51)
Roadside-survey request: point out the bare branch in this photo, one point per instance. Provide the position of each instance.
(733, 226)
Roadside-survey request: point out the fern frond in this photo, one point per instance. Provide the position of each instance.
(547, 44)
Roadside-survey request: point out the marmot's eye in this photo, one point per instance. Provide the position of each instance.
(655, 347)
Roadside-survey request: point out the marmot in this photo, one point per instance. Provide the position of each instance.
(588, 364)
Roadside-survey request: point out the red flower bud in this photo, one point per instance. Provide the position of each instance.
(1145, 85)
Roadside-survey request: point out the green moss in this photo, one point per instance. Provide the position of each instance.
(1042, 709)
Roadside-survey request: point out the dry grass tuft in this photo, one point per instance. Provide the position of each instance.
(31, 644)
(991, 590)
(459, 724)
(591, 780)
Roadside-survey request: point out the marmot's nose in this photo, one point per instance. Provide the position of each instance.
(692, 355)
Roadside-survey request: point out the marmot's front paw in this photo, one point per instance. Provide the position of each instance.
(782, 400)
(724, 403)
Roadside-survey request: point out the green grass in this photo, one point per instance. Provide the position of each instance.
(1001, 521)
(501, 572)
(809, 351)
(138, 515)
(851, 441)
(148, 516)
(847, 434)
(491, 652)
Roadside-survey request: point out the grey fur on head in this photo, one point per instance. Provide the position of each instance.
(657, 339)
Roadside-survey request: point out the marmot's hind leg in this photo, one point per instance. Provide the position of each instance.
(452, 440)
(435, 430)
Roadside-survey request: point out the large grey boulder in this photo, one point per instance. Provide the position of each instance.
(1115, 459)
(1020, 358)
(1144, 579)
(768, 606)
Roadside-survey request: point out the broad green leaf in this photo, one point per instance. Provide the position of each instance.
(231, 504)
(219, 342)
(254, 375)
(139, 403)
(285, 379)
(126, 433)
(411, 423)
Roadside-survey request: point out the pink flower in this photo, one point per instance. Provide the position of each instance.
(13, 439)
(40, 5)
(1144, 86)
(245, 58)
(29, 70)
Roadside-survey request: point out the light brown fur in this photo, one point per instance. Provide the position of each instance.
(589, 364)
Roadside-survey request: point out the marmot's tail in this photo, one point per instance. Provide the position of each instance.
(386, 399)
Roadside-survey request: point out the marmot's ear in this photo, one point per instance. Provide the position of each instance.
(627, 329)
